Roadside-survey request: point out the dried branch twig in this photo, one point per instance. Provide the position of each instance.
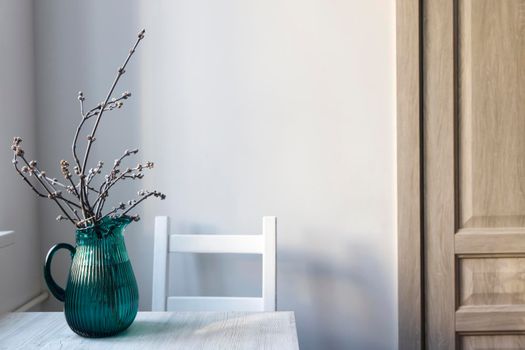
(91, 212)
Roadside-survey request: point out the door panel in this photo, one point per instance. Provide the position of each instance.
(488, 342)
(491, 101)
(474, 173)
(491, 281)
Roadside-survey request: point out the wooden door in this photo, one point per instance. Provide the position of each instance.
(473, 173)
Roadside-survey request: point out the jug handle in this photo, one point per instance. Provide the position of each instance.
(54, 288)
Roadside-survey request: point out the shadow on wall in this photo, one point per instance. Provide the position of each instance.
(342, 294)
(347, 302)
(342, 291)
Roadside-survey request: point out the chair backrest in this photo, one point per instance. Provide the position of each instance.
(264, 244)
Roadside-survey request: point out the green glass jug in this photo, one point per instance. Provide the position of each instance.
(101, 296)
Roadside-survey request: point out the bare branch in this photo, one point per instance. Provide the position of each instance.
(19, 153)
(27, 181)
(48, 187)
(113, 179)
(91, 137)
(81, 99)
(145, 195)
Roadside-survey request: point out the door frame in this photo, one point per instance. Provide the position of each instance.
(409, 80)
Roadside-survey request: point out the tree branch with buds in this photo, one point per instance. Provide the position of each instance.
(72, 197)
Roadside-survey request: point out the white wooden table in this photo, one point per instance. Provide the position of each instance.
(156, 330)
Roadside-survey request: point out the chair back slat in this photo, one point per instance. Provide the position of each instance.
(215, 304)
(248, 244)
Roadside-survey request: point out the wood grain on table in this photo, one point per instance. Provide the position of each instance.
(156, 330)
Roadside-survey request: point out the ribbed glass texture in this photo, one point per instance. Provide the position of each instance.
(101, 297)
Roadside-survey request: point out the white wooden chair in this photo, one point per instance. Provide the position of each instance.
(165, 243)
